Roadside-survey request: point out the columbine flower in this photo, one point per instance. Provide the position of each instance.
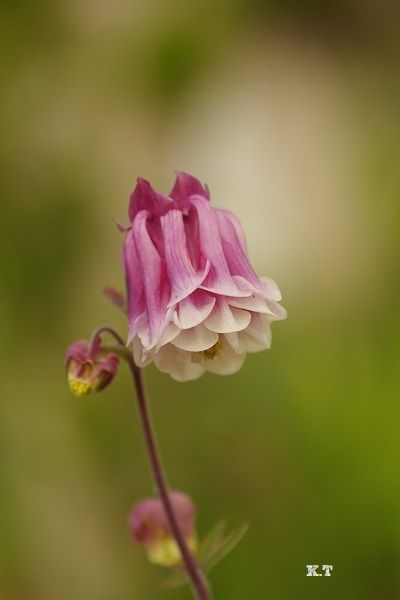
(195, 304)
(89, 368)
(149, 527)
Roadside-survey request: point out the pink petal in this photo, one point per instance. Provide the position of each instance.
(155, 282)
(78, 351)
(194, 309)
(185, 186)
(219, 279)
(234, 249)
(182, 276)
(144, 197)
(191, 223)
(134, 284)
(234, 221)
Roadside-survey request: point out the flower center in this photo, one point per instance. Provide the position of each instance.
(80, 387)
(212, 352)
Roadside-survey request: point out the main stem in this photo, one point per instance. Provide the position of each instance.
(197, 579)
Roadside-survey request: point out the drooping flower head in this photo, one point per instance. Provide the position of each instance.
(195, 303)
(89, 368)
(149, 526)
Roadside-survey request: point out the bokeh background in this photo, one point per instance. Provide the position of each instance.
(290, 111)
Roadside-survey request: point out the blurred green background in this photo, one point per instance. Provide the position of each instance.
(290, 112)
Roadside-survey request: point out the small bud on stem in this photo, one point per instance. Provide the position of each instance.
(89, 368)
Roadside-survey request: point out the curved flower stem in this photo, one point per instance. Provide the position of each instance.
(197, 579)
(95, 341)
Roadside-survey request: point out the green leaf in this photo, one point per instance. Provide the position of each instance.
(213, 548)
(210, 541)
(225, 546)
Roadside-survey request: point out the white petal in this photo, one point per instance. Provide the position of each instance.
(233, 340)
(140, 356)
(224, 319)
(271, 289)
(255, 303)
(258, 333)
(141, 326)
(248, 343)
(194, 309)
(144, 331)
(226, 362)
(177, 363)
(268, 288)
(196, 339)
(277, 310)
(171, 331)
(254, 338)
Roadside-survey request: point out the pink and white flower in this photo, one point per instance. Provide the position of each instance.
(195, 303)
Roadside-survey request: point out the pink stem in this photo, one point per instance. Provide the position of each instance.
(193, 570)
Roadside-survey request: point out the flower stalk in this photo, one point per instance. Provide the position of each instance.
(196, 576)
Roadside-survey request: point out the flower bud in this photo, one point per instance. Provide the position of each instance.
(149, 526)
(89, 368)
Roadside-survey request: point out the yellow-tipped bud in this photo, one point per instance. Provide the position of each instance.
(89, 368)
(149, 526)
